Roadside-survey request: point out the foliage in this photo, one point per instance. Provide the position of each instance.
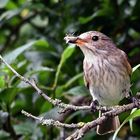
(31, 40)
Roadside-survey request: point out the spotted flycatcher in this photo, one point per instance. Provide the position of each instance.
(106, 72)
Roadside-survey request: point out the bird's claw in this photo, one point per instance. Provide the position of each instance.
(94, 105)
(136, 101)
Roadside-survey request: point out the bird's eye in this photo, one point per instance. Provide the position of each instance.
(95, 38)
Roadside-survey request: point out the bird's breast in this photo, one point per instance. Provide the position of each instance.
(106, 81)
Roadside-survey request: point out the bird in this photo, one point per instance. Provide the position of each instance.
(107, 72)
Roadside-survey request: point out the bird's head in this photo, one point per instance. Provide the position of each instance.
(91, 41)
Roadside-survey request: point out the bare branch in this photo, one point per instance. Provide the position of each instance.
(82, 128)
(51, 121)
(114, 112)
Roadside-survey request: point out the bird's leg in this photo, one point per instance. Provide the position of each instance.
(94, 105)
(134, 99)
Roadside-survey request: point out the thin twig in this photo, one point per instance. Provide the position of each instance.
(52, 122)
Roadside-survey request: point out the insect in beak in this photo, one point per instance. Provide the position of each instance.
(75, 40)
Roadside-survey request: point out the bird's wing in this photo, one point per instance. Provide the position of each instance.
(86, 81)
(126, 63)
(129, 69)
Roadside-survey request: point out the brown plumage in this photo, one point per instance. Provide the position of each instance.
(106, 72)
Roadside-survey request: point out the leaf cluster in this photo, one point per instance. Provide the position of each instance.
(31, 41)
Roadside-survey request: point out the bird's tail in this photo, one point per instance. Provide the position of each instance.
(110, 125)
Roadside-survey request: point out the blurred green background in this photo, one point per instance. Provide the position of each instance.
(32, 42)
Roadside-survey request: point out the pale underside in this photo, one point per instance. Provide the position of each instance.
(108, 82)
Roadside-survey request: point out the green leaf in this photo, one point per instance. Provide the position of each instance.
(44, 107)
(131, 120)
(38, 21)
(65, 55)
(4, 135)
(73, 79)
(84, 20)
(2, 82)
(28, 128)
(24, 128)
(10, 57)
(130, 117)
(3, 3)
(11, 5)
(39, 69)
(52, 114)
(9, 15)
(6, 97)
(135, 68)
(42, 43)
(18, 105)
(78, 90)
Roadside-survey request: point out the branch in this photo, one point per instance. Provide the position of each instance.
(83, 127)
(52, 122)
(55, 102)
(114, 112)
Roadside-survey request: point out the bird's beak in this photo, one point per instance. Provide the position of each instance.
(75, 40)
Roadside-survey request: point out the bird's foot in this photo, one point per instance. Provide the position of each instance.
(136, 101)
(94, 104)
(134, 98)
